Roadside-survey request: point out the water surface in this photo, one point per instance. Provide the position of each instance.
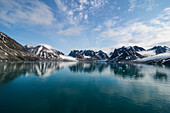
(70, 87)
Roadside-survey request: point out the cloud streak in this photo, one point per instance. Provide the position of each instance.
(27, 12)
(72, 31)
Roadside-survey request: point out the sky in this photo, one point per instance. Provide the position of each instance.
(87, 24)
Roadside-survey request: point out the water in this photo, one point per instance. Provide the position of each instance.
(70, 87)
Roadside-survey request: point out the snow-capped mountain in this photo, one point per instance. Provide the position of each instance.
(126, 54)
(76, 54)
(88, 54)
(10, 50)
(102, 54)
(159, 49)
(44, 52)
(136, 48)
(154, 51)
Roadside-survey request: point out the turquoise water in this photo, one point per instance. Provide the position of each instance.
(70, 87)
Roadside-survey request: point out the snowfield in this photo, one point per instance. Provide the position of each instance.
(156, 57)
(64, 57)
(147, 53)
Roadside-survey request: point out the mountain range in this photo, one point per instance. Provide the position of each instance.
(88, 55)
(10, 50)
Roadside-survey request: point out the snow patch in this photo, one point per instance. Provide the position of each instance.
(39, 49)
(64, 57)
(87, 57)
(147, 53)
(156, 57)
(45, 45)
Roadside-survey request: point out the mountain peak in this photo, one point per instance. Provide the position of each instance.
(88, 54)
(159, 49)
(44, 51)
(45, 45)
(125, 54)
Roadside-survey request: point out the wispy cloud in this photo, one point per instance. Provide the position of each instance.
(76, 12)
(132, 5)
(26, 11)
(98, 28)
(146, 4)
(145, 34)
(72, 31)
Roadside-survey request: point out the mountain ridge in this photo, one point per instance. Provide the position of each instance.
(11, 50)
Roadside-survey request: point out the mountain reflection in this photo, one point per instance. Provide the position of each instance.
(88, 67)
(123, 70)
(10, 71)
(127, 70)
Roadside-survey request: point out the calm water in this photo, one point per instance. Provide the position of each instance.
(58, 87)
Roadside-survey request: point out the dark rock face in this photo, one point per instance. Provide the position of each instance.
(102, 54)
(10, 50)
(57, 52)
(125, 54)
(88, 54)
(159, 49)
(76, 54)
(44, 52)
(136, 48)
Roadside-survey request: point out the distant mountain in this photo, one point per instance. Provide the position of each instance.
(126, 54)
(102, 54)
(10, 50)
(159, 49)
(89, 54)
(76, 54)
(136, 48)
(44, 52)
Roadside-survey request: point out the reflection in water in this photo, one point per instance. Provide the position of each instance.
(127, 70)
(88, 67)
(97, 88)
(160, 75)
(9, 71)
(133, 71)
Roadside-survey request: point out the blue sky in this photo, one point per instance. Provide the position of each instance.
(87, 24)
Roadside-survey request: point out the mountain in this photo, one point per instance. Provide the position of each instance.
(44, 52)
(76, 54)
(126, 54)
(89, 54)
(136, 48)
(159, 49)
(102, 54)
(10, 50)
